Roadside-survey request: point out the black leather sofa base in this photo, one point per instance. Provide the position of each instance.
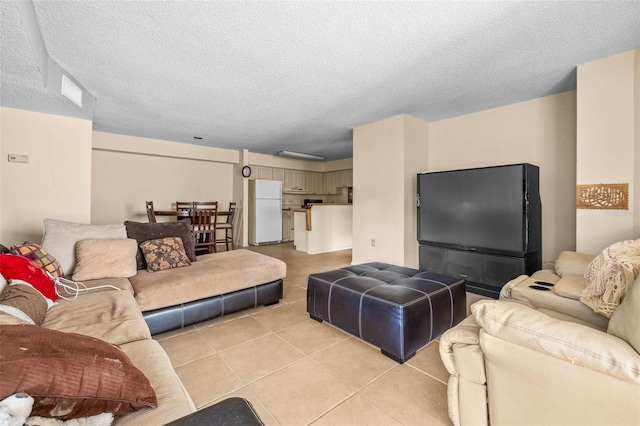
(229, 412)
(395, 308)
(178, 316)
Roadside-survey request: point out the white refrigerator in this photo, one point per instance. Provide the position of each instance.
(265, 212)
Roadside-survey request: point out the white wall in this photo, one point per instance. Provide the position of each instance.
(389, 153)
(540, 132)
(607, 141)
(56, 183)
(386, 158)
(128, 170)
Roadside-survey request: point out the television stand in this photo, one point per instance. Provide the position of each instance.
(484, 273)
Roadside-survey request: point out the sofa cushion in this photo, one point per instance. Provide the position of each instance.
(625, 321)
(610, 276)
(105, 258)
(21, 300)
(70, 375)
(112, 316)
(164, 253)
(213, 274)
(173, 400)
(572, 263)
(142, 232)
(570, 286)
(40, 256)
(60, 239)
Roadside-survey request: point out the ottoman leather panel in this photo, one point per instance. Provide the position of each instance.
(396, 308)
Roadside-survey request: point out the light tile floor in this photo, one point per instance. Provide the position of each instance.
(297, 371)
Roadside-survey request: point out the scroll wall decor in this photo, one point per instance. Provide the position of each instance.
(603, 196)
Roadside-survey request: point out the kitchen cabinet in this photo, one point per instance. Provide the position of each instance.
(294, 180)
(330, 183)
(278, 174)
(261, 172)
(287, 225)
(314, 183)
(349, 177)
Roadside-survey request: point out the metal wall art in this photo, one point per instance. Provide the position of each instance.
(603, 196)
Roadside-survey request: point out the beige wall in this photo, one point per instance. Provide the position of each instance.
(56, 183)
(540, 132)
(127, 171)
(636, 192)
(607, 145)
(415, 155)
(387, 155)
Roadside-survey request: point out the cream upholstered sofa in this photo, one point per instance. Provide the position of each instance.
(115, 309)
(543, 357)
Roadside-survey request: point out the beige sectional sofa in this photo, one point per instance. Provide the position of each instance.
(119, 310)
(544, 357)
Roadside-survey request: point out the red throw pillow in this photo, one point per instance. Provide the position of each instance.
(13, 266)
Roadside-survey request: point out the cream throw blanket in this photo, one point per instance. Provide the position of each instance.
(610, 276)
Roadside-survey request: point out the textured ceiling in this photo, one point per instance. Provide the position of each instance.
(300, 75)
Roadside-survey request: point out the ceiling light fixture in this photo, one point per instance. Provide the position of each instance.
(300, 155)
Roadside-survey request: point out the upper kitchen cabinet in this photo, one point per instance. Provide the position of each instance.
(338, 179)
(314, 183)
(278, 174)
(330, 183)
(294, 181)
(260, 172)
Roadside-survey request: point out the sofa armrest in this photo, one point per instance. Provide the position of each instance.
(463, 358)
(505, 291)
(455, 340)
(575, 343)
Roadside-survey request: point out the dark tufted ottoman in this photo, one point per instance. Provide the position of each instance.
(395, 308)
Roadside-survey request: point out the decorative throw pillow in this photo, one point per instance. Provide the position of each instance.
(39, 255)
(610, 276)
(142, 232)
(96, 259)
(60, 238)
(625, 321)
(164, 253)
(14, 267)
(70, 375)
(23, 301)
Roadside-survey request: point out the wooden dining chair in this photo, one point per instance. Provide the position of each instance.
(227, 227)
(183, 206)
(151, 213)
(203, 226)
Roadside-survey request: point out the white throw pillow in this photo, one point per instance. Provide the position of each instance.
(625, 321)
(610, 276)
(60, 238)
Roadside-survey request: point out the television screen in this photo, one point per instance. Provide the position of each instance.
(480, 209)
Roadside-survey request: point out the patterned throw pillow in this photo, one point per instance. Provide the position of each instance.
(164, 253)
(39, 255)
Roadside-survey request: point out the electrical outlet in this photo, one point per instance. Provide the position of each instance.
(17, 158)
(373, 242)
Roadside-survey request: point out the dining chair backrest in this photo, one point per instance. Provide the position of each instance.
(203, 226)
(184, 205)
(151, 213)
(232, 212)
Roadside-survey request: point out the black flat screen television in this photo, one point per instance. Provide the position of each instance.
(489, 209)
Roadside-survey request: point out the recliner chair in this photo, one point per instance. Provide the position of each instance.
(541, 357)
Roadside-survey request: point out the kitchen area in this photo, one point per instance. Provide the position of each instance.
(326, 194)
